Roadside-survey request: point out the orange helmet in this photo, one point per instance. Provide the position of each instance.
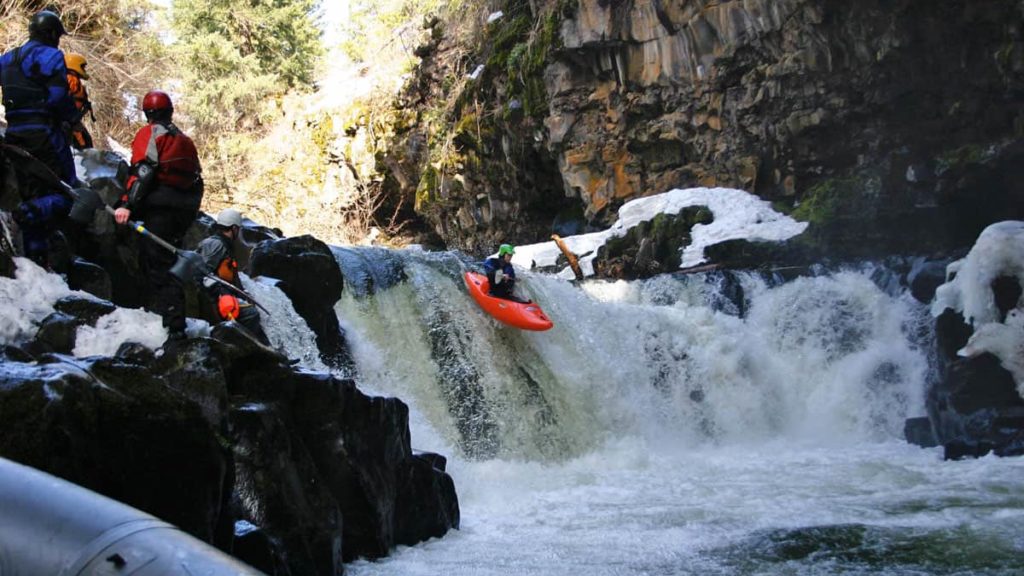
(75, 62)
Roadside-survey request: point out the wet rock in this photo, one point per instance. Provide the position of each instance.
(89, 277)
(727, 296)
(240, 345)
(974, 407)
(214, 431)
(427, 505)
(1006, 291)
(87, 310)
(280, 489)
(925, 276)
(119, 431)
(310, 277)
(135, 353)
(7, 266)
(368, 270)
(195, 371)
(437, 461)
(918, 431)
(56, 333)
(15, 354)
(256, 548)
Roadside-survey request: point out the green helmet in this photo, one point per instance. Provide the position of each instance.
(506, 249)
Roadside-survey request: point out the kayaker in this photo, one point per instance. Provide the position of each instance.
(501, 276)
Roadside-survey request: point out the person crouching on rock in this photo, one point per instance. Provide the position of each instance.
(164, 190)
(218, 254)
(501, 276)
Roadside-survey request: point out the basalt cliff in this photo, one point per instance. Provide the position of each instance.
(889, 126)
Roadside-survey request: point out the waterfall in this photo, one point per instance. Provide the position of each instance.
(677, 359)
(719, 423)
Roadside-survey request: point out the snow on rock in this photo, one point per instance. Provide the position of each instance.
(26, 300)
(737, 215)
(998, 252)
(1005, 341)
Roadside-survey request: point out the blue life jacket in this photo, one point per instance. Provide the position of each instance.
(35, 87)
(498, 263)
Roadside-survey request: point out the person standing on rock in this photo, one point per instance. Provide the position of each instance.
(218, 254)
(164, 190)
(75, 62)
(37, 106)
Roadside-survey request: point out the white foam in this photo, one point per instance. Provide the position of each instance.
(26, 300)
(120, 326)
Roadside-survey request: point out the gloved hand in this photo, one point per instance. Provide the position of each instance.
(228, 307)
(498, 277)
(26, 213)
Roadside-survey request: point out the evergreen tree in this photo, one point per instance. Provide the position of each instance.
(235, 55)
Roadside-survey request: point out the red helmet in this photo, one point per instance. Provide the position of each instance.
(157, 100)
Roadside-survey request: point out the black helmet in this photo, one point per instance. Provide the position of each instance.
(45, 25)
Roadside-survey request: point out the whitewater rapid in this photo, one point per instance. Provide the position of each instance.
(697, 424)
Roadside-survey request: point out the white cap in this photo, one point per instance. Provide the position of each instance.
(229, 217)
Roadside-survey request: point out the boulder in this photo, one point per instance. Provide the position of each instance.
(57, 332)
(119, 431)
(212, 431)
(310, 277)
(974, 407)
(280, 489)
(87, 310)
(360, 449)
(88, 277)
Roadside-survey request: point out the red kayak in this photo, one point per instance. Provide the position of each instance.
(526, 316)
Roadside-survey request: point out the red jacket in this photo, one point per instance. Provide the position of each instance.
(176, 160)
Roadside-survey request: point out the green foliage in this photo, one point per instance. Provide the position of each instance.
(373, 23)
(279, 34)
(520, 49)
(235, 57)
(426, 190)
(834, 199)
(959, 158)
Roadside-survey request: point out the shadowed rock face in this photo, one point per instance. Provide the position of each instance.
(973, 407)
(869, 115)
(213, 432)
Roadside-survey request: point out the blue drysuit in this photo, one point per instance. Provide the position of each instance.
(37, 105)
(507, 285)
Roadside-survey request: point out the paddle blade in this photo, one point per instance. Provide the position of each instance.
(87, 202)
(189, 267)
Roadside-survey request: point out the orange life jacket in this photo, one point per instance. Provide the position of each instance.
(227, 270)
(77, 90)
